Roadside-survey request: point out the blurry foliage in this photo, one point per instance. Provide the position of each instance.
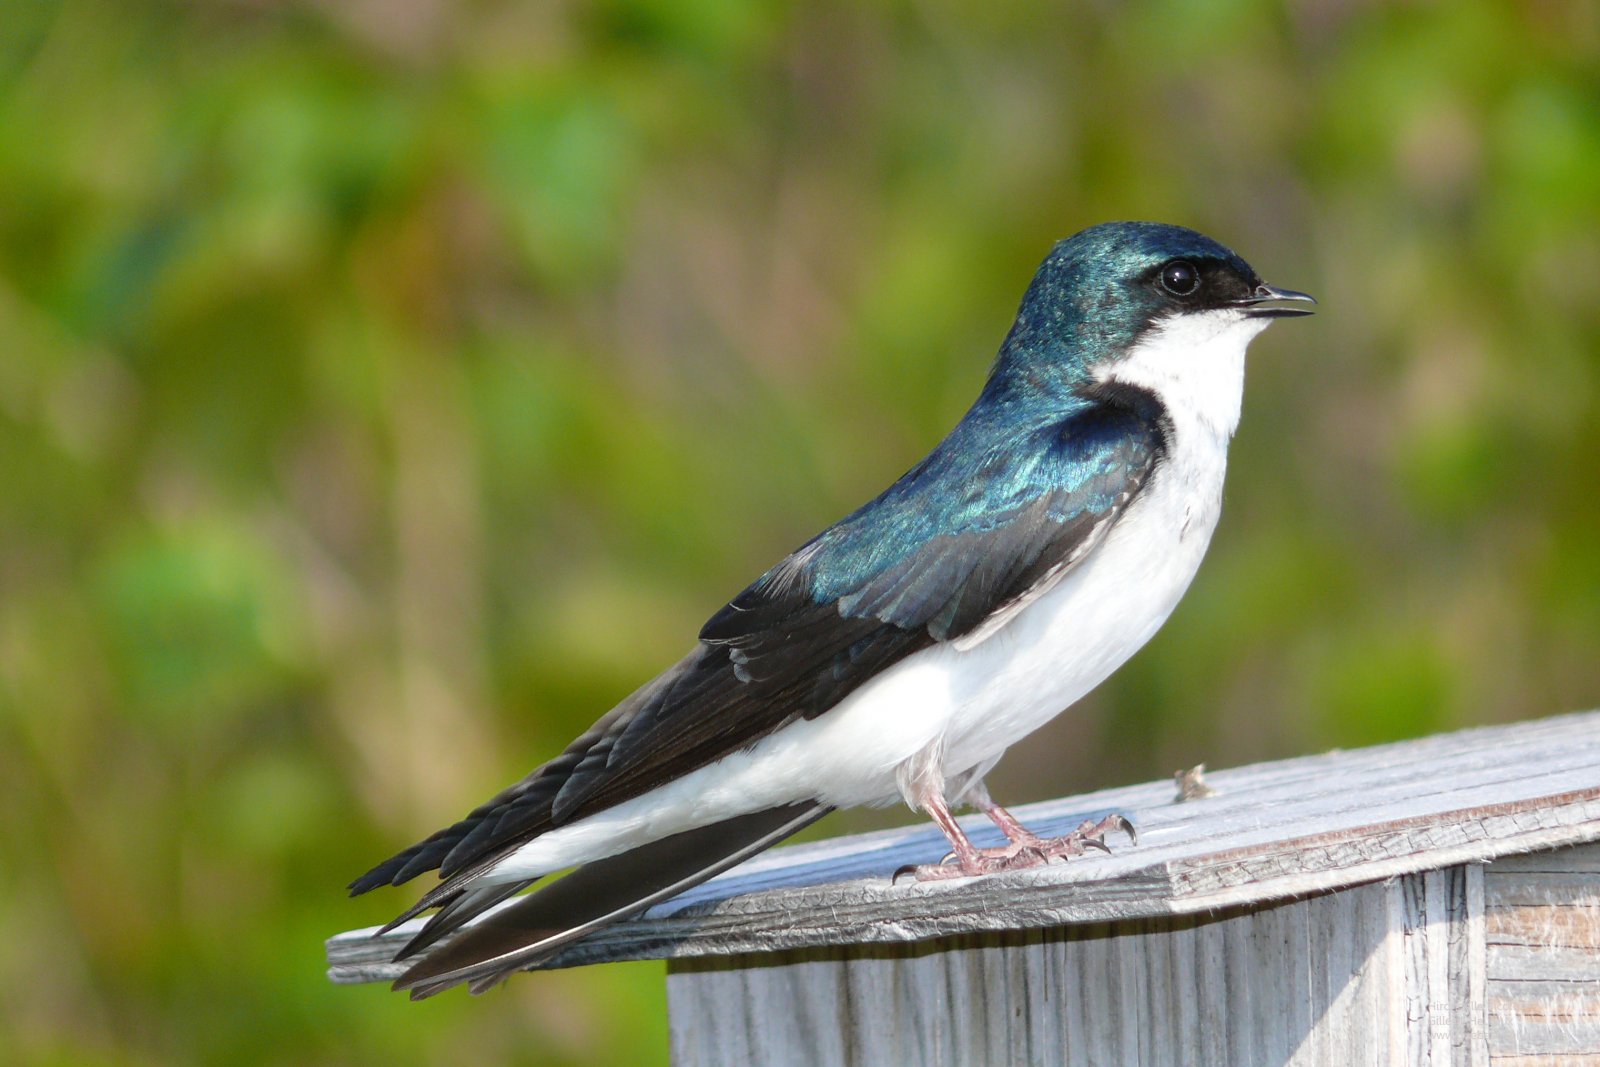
(390, 385)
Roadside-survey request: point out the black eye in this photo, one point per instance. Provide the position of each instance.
(1180, 278)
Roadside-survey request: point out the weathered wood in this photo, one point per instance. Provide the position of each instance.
(1476, 950)
(1271, 832)
(1540, 963)
(1558, 861)
(1320, 981)
(1528, 1018)
(1435, 937)
(1542, 960)
(1572, 892)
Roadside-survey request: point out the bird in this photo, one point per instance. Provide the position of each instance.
(898, 653)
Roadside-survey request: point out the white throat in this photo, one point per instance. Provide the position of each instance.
(1195, 364)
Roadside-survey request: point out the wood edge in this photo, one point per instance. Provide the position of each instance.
(356, 957)
(1551, 833)
(1203, 884)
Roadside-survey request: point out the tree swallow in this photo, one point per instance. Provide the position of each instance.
(900, 651)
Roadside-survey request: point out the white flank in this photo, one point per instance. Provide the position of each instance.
(969, 702)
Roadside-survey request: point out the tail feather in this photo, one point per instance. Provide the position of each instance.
(461, 909)
(593, 896)
(447, 893)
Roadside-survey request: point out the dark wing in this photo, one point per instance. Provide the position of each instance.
(976, 528)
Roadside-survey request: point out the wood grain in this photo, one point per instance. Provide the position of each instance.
(1542, 927)
(1321, 981)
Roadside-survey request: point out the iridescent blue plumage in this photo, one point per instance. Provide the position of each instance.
(1009, 492)
(1090, 300)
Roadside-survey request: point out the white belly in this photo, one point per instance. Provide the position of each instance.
(1078, 633)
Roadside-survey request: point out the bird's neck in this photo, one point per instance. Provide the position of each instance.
(1195, 366)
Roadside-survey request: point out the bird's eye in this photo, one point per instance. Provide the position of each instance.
(1180, 278)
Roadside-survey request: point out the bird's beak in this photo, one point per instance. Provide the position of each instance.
(1263, 293)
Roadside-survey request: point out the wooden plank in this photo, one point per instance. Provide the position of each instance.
(1172, 1013)
(1543, 963)
(1470, 965)
(1096, 1007)
(1278, 948)
(1425, 984)
(1272, 831)
(1542, 928)
(1209, 979)
(1372, 1018)
(1089, 995)
(1580, 858)
(1330, 964)
(1443, 1022)
(1542, 889)
(1533, 1018)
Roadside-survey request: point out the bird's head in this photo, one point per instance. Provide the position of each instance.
(1104, 290)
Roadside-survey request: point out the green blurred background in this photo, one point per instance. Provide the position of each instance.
(387, 386)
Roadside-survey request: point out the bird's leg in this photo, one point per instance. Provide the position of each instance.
(922, 784)
(1020, 835)
(1026, 848)
(1025, 841)
(965, 859)
(968, 858)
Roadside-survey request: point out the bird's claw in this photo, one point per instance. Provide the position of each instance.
(1022, 853)
(1116, 821)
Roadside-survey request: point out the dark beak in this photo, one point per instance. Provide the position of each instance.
(1264, 292)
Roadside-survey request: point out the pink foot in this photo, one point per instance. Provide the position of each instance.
(1025, 850)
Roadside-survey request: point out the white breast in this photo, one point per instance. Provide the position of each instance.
(965, 706)
(1106, 608)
